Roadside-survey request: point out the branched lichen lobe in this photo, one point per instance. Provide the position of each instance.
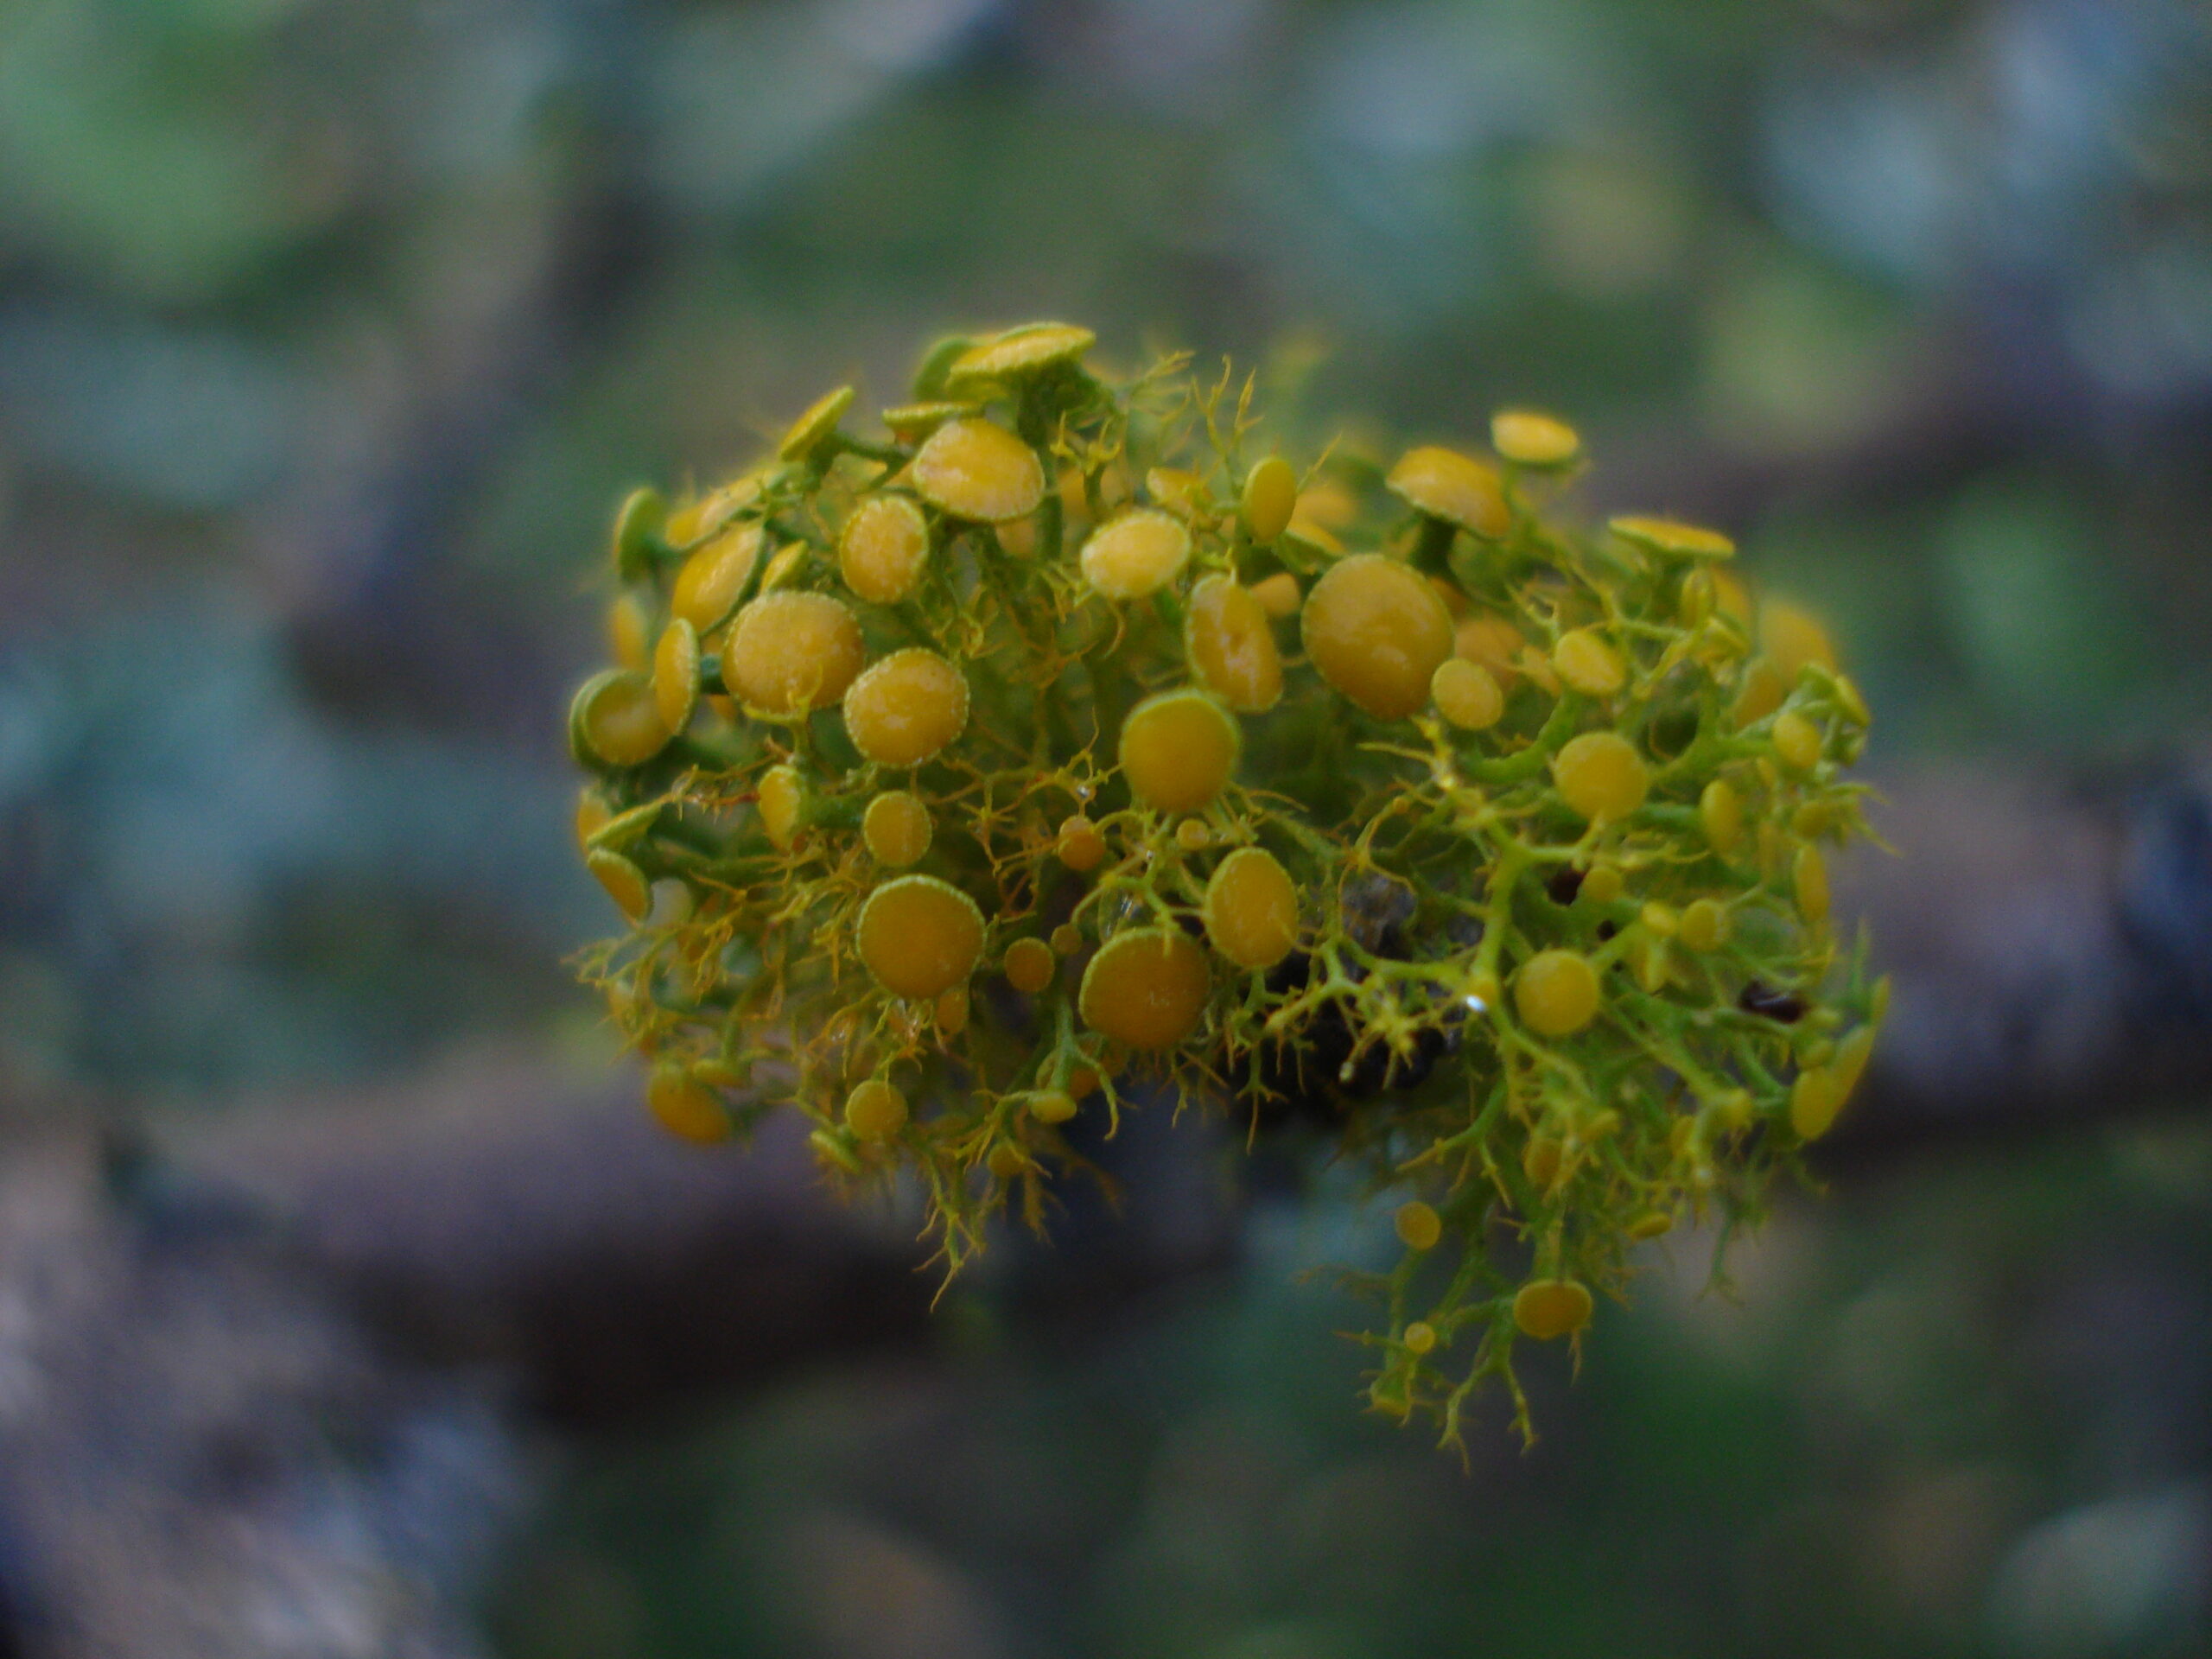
(952, 780)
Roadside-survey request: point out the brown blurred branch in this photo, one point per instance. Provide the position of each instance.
(2051, 943)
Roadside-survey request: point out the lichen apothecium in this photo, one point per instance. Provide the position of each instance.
(1070, 745)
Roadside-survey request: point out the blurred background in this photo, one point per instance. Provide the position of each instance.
(331, 333)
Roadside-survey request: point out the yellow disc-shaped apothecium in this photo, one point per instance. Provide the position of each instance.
(711, 579)
(911, 423)
(1270, 497)
(593, 814)
(790, 652)
(1251, 909)
(1549, 1308)
(782, 800)
(1529, 439)
(1556, 992)
(896, 828)
(808, 433)
(1030, 965)
(686, 1106)
(676, 674)
(907, 707)
(1419, 1227)
(1791, 637)
(1420, 1338)
(951, 1011)
(875, 1110)
(1018, 352)
(616, 718)
(1376, 632)
(1796, 741)
(629, 631)
(1146, 988)
(1600, 775)
(1720, 811)
(1279, 594)
(710, 511)
(1466, 694)
(884, 548)
(1230, 644)
(975, 469)
(920, 936)
(1177, 749)
(1809, 878)
(1586, 660)
(625, 882)
(1079, 845)
(1443, 484)
(1669, 535)
(1137, 553)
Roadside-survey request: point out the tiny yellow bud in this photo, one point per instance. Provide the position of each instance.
(1051, 1106)
(1420, 1228)
(1270, 497)
(1080, 846)
(1030, 965)
(685, 1106)
(1704, 926)
(1466, 694)
(1796, 741)
(1601, 776)
(1278, 594)
(1603, 885)
(1529, 439)
(875, 1110)
(1549, 1308)
(1556, 992)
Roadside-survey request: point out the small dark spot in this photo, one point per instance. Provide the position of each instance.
(1312, 1076)
(1606, 929)
(1290, 973)
(1761, 998)
(1564, 883)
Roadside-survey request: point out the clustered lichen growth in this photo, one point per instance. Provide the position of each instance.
(1066, 747)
